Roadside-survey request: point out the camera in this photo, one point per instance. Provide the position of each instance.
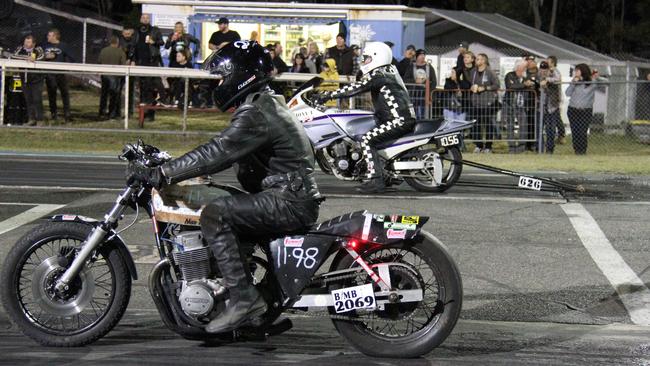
(543, 65)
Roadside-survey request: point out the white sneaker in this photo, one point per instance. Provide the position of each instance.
(477, 150)
(487, 151)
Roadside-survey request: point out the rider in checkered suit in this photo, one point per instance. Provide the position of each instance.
(393, 109)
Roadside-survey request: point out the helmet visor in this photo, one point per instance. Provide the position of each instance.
(366, 59)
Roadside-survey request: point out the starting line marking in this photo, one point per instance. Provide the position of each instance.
(27, 217)
(633, 293)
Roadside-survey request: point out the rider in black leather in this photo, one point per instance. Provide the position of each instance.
(275, 164)
(393, 109)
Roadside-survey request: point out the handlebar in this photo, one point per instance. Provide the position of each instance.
(147, 155)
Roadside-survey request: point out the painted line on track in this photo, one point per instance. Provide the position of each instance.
(27, 217)
(454, 198)
(62, 188)
(633, 293)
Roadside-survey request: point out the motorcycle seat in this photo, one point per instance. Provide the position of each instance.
(341, 225)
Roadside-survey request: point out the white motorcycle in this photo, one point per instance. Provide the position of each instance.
(428, 159)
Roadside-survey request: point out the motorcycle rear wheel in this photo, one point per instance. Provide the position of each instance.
(392, 332)
(97, 299)
(453, 158)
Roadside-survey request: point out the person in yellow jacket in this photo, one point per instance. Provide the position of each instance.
(329, 73)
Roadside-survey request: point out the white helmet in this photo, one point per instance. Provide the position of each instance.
(375, 54)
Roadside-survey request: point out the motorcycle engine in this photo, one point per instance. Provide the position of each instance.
(198, 292)
(345, 155)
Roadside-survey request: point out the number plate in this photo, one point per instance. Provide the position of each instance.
(530, 183)
(449, 140)
(351, 298)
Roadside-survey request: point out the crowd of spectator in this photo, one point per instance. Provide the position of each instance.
(470, 90)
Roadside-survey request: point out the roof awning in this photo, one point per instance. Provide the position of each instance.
(512, 33)
(270, 15)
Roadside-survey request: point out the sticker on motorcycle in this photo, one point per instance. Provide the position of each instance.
(399, 226)
(396, 234)
(293, 243)
(449, 140)
(352, 298)
(379, 218)
(410, 219)
(530, 183)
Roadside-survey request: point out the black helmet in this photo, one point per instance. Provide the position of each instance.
(245, 67)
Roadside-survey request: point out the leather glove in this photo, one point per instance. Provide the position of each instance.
(138, 173)
(320, 98)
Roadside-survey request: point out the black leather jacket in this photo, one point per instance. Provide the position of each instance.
(389, 95)
(268, 144)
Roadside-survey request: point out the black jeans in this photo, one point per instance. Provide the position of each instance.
(111, 92)
(60, 82)
(579, 120)
(485, 117)
(551, 122)
(34, 99)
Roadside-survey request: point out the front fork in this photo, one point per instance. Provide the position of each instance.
(96, 237)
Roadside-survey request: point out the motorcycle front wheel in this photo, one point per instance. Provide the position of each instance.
(94, 303)
(410, 329)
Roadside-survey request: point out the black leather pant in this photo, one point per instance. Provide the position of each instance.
(385, 131)
(257, 216)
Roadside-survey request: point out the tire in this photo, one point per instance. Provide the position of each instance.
(454, 158)
(25, 320)
(443, 319)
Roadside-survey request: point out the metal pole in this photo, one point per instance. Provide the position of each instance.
(2, 96)
(85, 36)
(427, 100)
(185, 100)
(540, 122)
(627, 92)
(126, 100)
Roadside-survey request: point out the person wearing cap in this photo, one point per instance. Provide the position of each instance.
(419, 72)
(462, 48)
(342, 55)
(223, 35)
(409, 57)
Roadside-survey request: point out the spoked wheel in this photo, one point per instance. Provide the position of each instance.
(93, 304)
(408, 329)
(442, 170)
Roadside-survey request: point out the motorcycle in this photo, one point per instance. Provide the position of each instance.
(428, 159)
(391, 290)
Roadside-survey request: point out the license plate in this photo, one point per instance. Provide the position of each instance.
(449, 140)
(530, 183)
(351, 298)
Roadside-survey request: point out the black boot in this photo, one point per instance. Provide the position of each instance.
(246, 304)
(376, 183)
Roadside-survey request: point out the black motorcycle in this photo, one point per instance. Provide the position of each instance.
(392, 289)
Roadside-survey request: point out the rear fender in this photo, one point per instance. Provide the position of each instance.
(116, 241)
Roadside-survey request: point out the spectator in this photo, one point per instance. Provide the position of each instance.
(296, 49)
(309, 63)
(356, 69)
(405, 63)
(179, 41)
(343, 56)
(581, 103)
(299, 64)
(549, 81)
(128, 42)
(329, 75)
(460, 61)
(452, 98)
(465, 79)
(147, 53)
(223, 35)
(514, 101)
(32, 82)
(315, 56)
(254, 36)
(419, 73)
(484, 103)
(183, 60)
(532, 81)
(111, 84)
(57, 51)
(390, 44)
(277, 60)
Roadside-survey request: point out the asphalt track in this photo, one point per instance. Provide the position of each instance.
(536, 288)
